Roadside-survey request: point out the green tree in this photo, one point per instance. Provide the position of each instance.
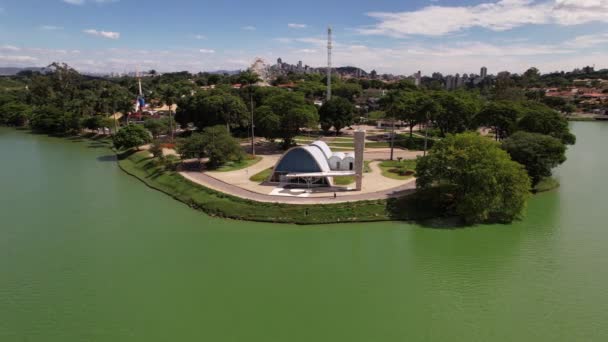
(14, 114)
(458, 110)
(251, 79)
(157, 126)
(131, 136)
(169, 96)
(348, 91)
(92, 122)
(48, 119)
(156, 149)
(282, 115)
(222, 108)
(220, 147)
(500, 116)
(337, 112)
(538, 153)
(483, 181)
(192, 147)
(544, 120)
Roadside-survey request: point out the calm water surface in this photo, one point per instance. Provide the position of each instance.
(90, 254)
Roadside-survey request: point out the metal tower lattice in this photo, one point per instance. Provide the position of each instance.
(329, 47)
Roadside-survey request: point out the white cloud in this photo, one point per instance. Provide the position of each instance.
(249, 28)
(587, 41)
(436, 20)
(9, 48)
(104, 34)
(307, 51)
(206, 51)
(297, 26)
(82, 2)
(200, 37)
(50, 28)
(17, 59)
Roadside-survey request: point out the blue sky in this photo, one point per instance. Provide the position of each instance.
(393, 36)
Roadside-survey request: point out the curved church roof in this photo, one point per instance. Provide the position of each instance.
(303, 159)
(339, 155)
(323, 147)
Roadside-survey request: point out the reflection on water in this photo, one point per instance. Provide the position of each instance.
(90, 254)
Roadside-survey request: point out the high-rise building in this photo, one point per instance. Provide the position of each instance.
(418, 78)
(450, 82)
(484, 72)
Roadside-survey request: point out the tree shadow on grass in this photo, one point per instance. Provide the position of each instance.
(99, 145)
(428, 208)
(108, 158)
(126, 154)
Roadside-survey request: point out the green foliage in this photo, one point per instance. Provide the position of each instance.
(311, 89)
(14, 114)
(456, 111)
(156, 149)
(413, 107)
(282, 116)
(217, 107)
(348, 91)
(93, 122)
(538, 153)
(50, 119)
(500, 116)
(483, 182)
(192, 146)
(413, 143)
(157, 126)
(222, 205)
(131, 136)
(215, 143)
(543, 120)
(337, 112)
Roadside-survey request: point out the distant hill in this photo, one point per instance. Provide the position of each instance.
(224, 72)
(12, 71)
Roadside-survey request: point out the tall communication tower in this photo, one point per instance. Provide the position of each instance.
(329, 47)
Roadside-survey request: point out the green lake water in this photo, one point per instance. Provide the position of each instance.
(88, 253)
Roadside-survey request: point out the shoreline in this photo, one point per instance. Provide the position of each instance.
(217, 204)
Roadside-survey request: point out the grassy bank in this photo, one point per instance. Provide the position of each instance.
(214, 203)
(546, 184)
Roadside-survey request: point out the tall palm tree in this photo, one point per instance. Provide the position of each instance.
(168, 95)
(392, 106)
(250, 78)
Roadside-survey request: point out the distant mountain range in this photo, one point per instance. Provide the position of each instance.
(12, 71)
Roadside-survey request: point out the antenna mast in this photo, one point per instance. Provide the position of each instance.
(329, 47)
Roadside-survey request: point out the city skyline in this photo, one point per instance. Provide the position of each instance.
(388, 36)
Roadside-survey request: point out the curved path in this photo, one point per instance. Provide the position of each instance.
(218, 185)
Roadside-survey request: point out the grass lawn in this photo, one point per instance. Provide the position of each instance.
(344, 180)
(215, 203)
(347, 180)
(401, 170)
(261, 176)
(243, 164)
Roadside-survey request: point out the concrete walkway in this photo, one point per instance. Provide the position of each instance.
(342, 197)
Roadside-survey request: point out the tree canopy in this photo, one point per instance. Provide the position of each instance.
(337, 113)
(544, 120)
(282, 116)
(483, 181)
(538, 153)
(131, 136)
(500, 116)
(214, 143)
